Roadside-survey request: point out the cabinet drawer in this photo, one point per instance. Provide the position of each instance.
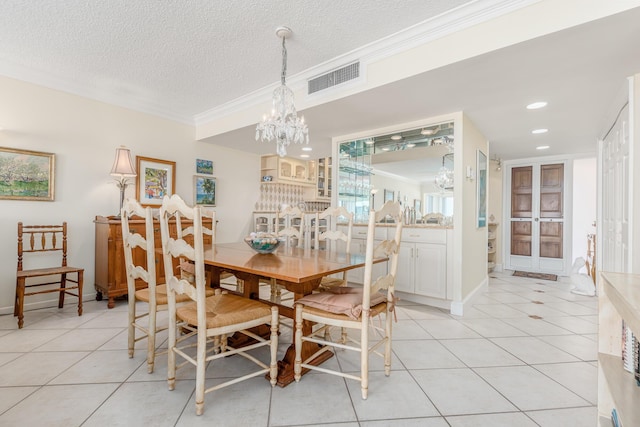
(361, 233)
(424, 235)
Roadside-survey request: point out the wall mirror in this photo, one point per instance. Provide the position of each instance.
(405, 162)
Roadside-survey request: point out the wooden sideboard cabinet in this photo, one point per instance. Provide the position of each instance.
(110, 272)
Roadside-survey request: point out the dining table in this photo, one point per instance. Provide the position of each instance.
(298, 270)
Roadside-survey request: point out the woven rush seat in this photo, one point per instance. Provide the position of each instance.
(224, 310)
(161, 295)
(38, 272)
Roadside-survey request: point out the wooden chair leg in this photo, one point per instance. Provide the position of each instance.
(63, 285)
(18, 309)
(80, 283)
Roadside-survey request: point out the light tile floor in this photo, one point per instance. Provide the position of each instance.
(496, 366)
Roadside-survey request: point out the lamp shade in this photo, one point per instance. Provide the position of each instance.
(122, 165)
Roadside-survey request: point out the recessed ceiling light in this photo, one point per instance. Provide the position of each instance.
(304, 156)
(369, 141)
(385, 148)
(537, 131)
(427, 131)
(542, 147)
(411, 145)
(396, 137)
(307, 149)
(536, 105)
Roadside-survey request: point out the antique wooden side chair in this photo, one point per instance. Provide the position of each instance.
(207, 318)
(140, 264)
(354, 308)
(34, 239)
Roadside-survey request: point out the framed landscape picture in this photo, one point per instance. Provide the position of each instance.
(204, 167)
(389, 195)
(204, 190)
(156, 178)
(26, 175)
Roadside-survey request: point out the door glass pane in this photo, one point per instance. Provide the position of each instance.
(521, 238)
(551, 188)
(521, 195)
(551, 239)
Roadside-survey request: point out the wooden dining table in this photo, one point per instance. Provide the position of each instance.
(296, 269)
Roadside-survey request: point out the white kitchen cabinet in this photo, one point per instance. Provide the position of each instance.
(422, 263)
(287, 170)
(359, 245)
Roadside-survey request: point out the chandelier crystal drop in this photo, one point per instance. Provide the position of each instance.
(283, 124)
(444, 178)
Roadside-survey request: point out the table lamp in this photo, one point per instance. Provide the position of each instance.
(123, 169)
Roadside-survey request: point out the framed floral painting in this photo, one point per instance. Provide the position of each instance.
(26, 175)
(156, 178)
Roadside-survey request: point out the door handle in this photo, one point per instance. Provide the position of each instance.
(536, 220)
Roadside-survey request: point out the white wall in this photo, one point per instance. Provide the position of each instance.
(83, 134)
(473, 239)
(584, 204)
(408, 189)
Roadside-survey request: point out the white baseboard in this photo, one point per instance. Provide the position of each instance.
(457, 307)
(50, 303)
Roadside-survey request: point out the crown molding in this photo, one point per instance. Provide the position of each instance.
(431, 29)
(84, 89)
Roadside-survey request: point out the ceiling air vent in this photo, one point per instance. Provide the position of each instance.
(335, 77)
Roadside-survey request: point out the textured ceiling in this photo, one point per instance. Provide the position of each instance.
(181, 58)
(188, 56)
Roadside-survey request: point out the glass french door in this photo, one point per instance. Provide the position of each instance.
(537, 226)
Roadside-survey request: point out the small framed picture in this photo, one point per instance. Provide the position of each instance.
(389, 195)
(204, 190)
(156, 179)
(26, 175)
(204, 167)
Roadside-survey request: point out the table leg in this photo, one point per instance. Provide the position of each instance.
(285, 366)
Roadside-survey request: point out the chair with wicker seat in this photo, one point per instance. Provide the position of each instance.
(208, 318)
(40, 239)
(333, 237)
(186, 268)
(354, 308)
(142, 268)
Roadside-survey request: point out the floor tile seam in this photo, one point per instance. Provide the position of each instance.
(36, 389)
(566, 351)
(557, 382)
(492, 366)
(558, 326)
(552, 408)
(495, 389)
(409, 371)
(106, 399)
(87, 356)
(509, 352)
(560, 409)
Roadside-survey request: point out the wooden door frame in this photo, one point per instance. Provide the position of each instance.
(567, 211)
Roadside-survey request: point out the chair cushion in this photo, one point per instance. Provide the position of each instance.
(330, 282)
(161, 295)
(225, 310)
(341, 300)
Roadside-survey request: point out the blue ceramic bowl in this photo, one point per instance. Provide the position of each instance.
(263, 244)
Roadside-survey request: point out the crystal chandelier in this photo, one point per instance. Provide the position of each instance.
(444, 178)
(283, 125)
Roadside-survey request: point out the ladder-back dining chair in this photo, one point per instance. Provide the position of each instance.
(34, 239)
(140, 264)
(334, 239)
(208, 319)
(354, 308)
